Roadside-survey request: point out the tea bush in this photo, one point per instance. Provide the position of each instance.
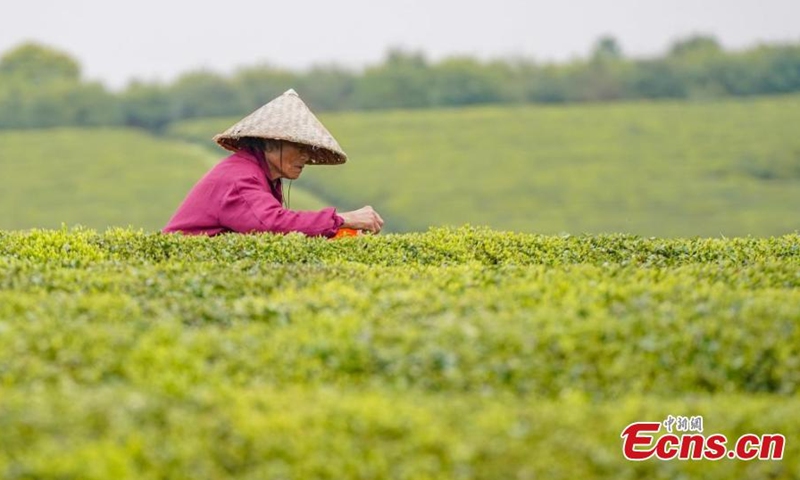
(454, 353)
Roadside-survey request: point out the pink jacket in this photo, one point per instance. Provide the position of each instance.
(237, 195)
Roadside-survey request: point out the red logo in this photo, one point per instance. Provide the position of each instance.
(639, 442)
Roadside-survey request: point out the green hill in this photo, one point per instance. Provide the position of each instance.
(668, 169)
(665, 169)
(99, 178)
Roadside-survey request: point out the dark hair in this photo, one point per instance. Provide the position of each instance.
(255, 144)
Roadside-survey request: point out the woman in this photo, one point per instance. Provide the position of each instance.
(243, 192)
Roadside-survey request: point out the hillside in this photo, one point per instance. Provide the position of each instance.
(460, 353)
(665, 169)
(727, 168)
(99, 178)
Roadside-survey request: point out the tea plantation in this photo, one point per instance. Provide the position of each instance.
(728, 167)
(456, 353)
(669, 169)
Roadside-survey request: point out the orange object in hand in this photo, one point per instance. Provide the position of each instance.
(346, 232)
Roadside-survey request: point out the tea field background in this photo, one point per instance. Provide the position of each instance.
(721, 168)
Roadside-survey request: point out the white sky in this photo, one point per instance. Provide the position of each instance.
(159, 39)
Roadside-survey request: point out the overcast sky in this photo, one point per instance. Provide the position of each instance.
(158, 39)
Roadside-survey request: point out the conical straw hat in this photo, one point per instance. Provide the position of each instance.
(286, 118)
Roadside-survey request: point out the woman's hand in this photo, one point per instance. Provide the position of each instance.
(363, 219)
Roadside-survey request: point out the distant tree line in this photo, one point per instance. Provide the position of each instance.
(43, 87)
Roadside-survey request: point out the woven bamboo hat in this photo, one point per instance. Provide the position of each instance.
(286, 118)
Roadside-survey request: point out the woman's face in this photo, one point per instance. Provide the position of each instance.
(288, 163)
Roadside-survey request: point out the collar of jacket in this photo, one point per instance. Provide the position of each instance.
(261, 160)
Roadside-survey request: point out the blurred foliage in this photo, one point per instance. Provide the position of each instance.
(41, 86)
(147, 106)
(402, 81)
(446, 354)
(219, 96)
(38, 65)
(666, 168)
